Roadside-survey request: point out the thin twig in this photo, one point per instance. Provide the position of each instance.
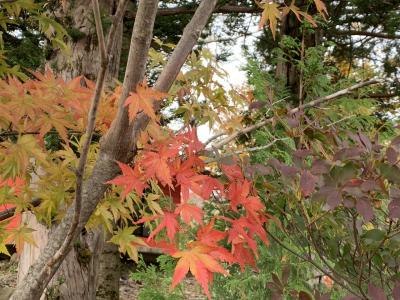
(99, 31)
(253, 149)
(312, 262)
(341, 120)
(17, 133)
(313, 103)
(214, 137)
(63, 250)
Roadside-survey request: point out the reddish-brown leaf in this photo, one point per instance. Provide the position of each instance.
(130, 180)
(307, 183)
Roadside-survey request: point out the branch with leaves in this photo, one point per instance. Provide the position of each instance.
(313, 103)
(121, 138)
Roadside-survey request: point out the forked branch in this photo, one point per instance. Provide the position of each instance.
(49, 268)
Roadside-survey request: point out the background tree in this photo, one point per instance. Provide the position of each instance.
(305, 80)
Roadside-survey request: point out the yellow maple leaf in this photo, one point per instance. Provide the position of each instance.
(271, 14)
(20, 235)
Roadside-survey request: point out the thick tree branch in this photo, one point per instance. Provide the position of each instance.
(64, 249)
(225, 9)
(185, 45)
(119, 142)
(381, 35)
(316, 102)
(178, 57)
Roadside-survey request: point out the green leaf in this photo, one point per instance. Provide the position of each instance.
(389, 172)
(373, 237)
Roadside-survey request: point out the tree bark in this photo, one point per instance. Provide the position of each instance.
(119, 143)
(79, 275)
(110, 271)
(287, 70)
(84, 60)
(105, 169)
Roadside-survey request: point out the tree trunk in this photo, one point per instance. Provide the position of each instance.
(84, 60)
(287, 70)
(79, 274)
(110, 271)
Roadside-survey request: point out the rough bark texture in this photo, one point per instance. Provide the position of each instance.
(110, 271)
(105, 168)
(78, 275)
(77, 17)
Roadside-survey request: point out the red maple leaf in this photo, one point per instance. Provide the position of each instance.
(253, 206)
(237, 193)
(130, 180)
(209, 236)
(209, 185)
(155, 163)
(245, 229)
(189, 181)
(192, 141)
(188, 177)
(167, 220)
(190, 211)
(243, 255)
(163, 245)
(233, 172)
(200, 263)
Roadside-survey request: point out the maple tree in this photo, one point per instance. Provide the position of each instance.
(149, 174)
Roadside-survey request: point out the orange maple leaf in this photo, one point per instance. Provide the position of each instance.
(209, 236)
(142, 100)
(321, 7)
(298, 13)
(130, 180)
(200, 263)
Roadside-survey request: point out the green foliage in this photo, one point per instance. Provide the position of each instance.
(27, 35)
(156, 280)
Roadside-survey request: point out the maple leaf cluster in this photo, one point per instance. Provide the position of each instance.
(175, 165)
(45, 102)
(272, 13)
(9, 190)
